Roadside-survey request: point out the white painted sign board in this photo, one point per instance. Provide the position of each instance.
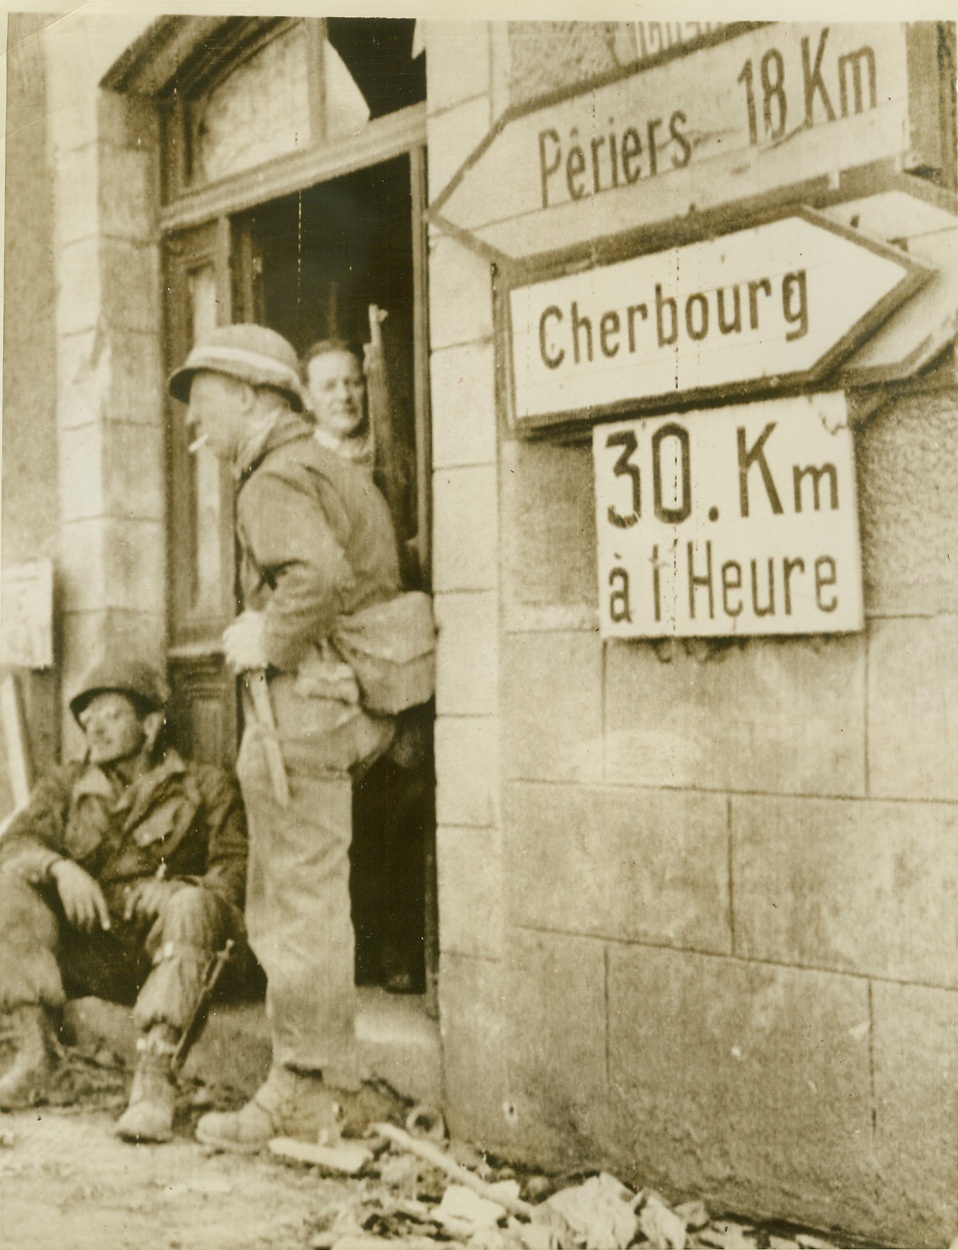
(26, 614)
(656, 38)
(732, 521)
(768, 109)
(781, 302)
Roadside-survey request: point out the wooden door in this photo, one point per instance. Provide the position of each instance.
(201, 544)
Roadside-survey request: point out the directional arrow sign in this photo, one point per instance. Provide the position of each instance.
(924, 221)
(781, 303)
(772, 108)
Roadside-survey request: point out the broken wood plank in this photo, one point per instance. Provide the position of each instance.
(438, 1158)
(346, 1157)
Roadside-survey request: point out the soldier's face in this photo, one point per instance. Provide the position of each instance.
(113, 728)
(217, 410)
(337, 392)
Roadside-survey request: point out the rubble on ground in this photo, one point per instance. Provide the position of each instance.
(427, 1192)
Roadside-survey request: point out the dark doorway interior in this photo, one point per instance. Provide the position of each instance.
(318, 260)
(310, 265)
(327, 253)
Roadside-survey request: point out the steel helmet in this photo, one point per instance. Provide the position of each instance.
(251, 353)
(142, 684)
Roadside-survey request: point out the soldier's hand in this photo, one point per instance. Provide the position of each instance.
(81, 896)
(244, 642)
(144, 899)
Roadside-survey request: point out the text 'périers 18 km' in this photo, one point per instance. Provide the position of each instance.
(766, 109)
(807, 85)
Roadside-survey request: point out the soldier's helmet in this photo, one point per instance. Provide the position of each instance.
(251, 353)
(142, 684)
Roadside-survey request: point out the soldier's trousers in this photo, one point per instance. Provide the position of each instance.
(297, 896)
(157, 964)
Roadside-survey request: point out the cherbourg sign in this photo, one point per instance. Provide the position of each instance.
(773, 107)
(777, 304)
(732, 521)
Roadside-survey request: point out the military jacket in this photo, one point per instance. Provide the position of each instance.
(316, 541)
(186, 816)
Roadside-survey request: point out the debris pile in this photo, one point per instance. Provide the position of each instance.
(425, 1192)
(88, 1077)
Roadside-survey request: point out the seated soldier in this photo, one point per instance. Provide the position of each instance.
(121, 878)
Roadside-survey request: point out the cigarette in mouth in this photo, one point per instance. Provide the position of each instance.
(197, 443)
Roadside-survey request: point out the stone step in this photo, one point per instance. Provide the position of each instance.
(399, 1041)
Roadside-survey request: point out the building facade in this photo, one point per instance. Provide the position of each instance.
(697, 898)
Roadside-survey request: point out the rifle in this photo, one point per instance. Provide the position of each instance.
(198, 1016)
(393, 470)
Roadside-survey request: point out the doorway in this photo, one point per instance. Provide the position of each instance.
(321, 256)
(315, 265)
(310, 259)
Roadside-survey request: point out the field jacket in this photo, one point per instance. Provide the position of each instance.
(316, 541)
(187, 816)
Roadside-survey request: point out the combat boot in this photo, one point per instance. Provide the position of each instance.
(149, 1114)
(287, 1104)
(25, 1083)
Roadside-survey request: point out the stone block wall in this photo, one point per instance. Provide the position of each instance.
(102, 149)
(460, 68)
(697, 901)
(29, 452)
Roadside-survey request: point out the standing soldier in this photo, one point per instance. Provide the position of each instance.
(316, 543)
(121, 878)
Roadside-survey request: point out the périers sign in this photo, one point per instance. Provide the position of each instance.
(765, 110)
(781, 302)
(732, 521)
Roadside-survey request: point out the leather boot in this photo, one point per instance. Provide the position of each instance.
(287, 1104)
(149, 1115)
(24, 1084)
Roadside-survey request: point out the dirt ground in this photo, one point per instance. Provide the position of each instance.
(67, 1183)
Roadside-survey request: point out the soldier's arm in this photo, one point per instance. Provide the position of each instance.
(291, 538)
(34, 840)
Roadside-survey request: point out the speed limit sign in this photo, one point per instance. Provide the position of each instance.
(734, 520)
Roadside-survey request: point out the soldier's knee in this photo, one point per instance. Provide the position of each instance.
(190, 900)
(23, 909)
(12, 881)
(192, 914)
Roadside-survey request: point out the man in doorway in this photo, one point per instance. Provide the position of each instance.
(336, 395)
(122, 877)
(391, 800)
(316, 543)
